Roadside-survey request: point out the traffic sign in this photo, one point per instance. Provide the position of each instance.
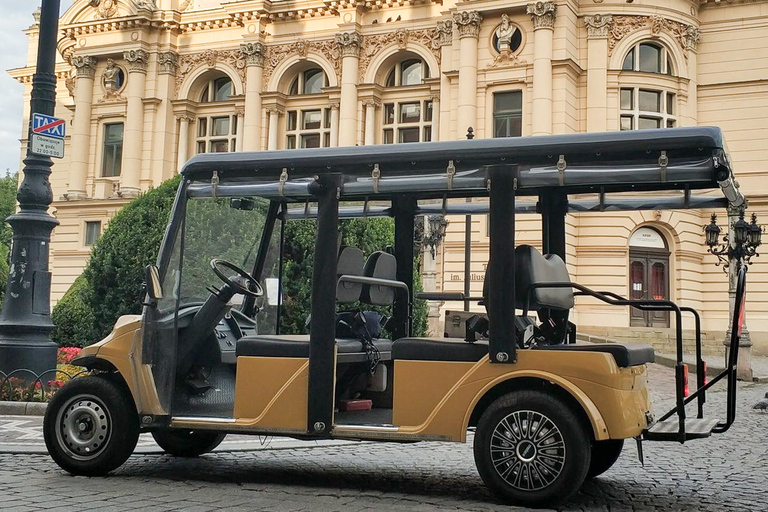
(47, 146)
(48, 126)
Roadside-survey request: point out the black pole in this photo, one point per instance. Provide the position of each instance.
(404, 208)
(322, 331)
(25, 322)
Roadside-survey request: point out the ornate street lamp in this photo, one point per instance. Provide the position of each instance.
(738, 247)
(25, 322)
(437, 225)
(746, 240)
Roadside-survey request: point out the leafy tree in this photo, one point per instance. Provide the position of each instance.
(8, 186)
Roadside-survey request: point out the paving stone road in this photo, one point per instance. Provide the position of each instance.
(728, 472)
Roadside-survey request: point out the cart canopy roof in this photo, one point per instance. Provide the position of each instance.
(681, 159)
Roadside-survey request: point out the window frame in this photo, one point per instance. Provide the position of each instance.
(635, 113)
(394, 77)
(396, 127)
(208, 138)
(115, 148)
(666, 60)
(294, 137)
(496, 115)
(86, 225)
(205, 98)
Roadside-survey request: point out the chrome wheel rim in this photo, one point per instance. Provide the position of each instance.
(83, 427)
(527, 450)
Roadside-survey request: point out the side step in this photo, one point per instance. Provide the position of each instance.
(669, 430)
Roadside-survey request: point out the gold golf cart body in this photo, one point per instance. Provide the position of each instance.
(194, 362)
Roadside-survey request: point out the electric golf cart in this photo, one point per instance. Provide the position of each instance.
(208, 355)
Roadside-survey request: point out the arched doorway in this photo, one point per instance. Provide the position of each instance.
(648, 275)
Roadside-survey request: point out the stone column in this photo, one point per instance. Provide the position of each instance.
(254, 73)
(240, 112)
(349, 46)
(543, 15)
(691, 41)
(597, 71)
(370, 121)
(445, 31)
(81, 127)
(435, 116)
(334, 125)
(274, 114)
(161, 163)
(183, 151)
(468, 25)
(744, 365)
(133, 146)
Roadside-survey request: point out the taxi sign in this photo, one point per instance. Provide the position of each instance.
(48, 126)
(48, 135)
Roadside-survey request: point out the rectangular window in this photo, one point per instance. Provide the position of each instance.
(409, 134)
(92, 232)
(410, 112)
(508, 114)
(308, 128)
(216, 134)
(113, 150)
(644, 109)
(627, 99)
(650, 101)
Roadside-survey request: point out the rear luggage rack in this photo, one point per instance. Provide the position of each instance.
(682, 429)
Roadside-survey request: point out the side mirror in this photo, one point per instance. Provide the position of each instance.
(152, 279)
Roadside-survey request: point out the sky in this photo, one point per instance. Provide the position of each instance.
(15, 16)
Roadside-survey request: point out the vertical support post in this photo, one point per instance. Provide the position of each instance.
(404, 208)
(467, 258)
(322, 334)
(25, 322)
(501, 266)
(553, 208)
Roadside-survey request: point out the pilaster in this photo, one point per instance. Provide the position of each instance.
(468, 26)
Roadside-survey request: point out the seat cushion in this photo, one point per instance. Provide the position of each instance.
(287, 345)
(624, 355)
(531, 267)
(438, 349)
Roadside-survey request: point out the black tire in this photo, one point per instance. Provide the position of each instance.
(187, 443)
(604, 455)
(542, 468)
(91, 426)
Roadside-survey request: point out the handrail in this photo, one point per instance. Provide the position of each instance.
(661, 305)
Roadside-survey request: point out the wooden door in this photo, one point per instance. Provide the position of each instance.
(648, 280)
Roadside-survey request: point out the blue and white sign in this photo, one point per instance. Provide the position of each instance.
(48, 126)
(48, 135)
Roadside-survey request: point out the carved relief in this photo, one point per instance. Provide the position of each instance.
(112, 81)
(350, 43)
(209, 58)
(104, 8)
(168, 62)
(445, 32)
(254, 53)
(543, 14)
(468, 23)
(137, 60)
(184, 5)
(373, 44)
(148, 5)
(85, 66)
(598, 25)
(687, 36)
(274, 55)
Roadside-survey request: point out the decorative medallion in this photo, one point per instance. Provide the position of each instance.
(104, 8)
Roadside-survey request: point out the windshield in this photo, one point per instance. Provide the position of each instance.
(214, 229)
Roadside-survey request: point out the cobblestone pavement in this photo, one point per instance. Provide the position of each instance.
(723, 473)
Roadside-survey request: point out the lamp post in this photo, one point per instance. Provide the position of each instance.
(434, 229)
(738, 247)
(25, 322)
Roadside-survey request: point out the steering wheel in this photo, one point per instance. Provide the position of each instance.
(250, 286)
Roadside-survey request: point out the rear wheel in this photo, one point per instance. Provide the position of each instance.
(604, 455)
(531, 449)
(187, 443)
(91, 426)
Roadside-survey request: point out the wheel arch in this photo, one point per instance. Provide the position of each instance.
(577, 400)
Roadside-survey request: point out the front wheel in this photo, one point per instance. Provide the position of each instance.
(91, 426)
(187, 443)
(604, 455)
(531, 449)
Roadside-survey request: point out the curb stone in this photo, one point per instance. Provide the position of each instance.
(22, 408)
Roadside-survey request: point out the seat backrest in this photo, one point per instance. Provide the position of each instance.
(531, 267)
(350, 263)
(380, 265)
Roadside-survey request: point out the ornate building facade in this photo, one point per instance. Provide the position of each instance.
(146, 84)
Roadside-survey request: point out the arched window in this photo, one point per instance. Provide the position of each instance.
(307, 120)
(217, 89)
(407, 72)
(216, 121)
(310, 81)
(649, 58)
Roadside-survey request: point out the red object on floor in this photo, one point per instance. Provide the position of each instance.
(355, 405)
